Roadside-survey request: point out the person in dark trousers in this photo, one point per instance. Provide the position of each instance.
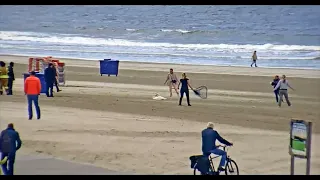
(49, 77)
(184, 88)
(254, 58)
(32, 88)
(11, 77)
(209, 137)
(274, 84)
(10, 142)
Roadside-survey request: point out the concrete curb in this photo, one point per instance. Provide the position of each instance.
(46, 165)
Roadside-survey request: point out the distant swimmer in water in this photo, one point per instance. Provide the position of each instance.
(254, 59)
(172, 82)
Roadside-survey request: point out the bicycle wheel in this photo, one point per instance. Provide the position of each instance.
(196, 170)
(231, 168)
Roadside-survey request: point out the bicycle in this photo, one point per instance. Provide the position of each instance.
(230, 168)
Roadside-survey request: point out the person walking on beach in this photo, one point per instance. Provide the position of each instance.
(3, 77)
(274, 84)
(184, 88)
(254, 59)
(283, 90)
(49, 77)
(11, 77)
(172, 81)
(10, 143)
(56, 77)
(32, 88)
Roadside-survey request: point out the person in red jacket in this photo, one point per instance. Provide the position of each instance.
(32, 88)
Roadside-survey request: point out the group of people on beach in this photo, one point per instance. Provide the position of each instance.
(32, 88)
(280, 88)
(10, 140)
(173, 83)
(280, 85)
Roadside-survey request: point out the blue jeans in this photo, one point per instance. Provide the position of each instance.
(276, 93)
(49, 90)
(184, 91)
(9, 165)
(221, 153)
(35, 99)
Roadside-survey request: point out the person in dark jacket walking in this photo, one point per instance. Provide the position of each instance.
(11, 77)
(254, 59)
(49, 77)
(274, 84)
(10, 142)
(209, 137)
(184, 88)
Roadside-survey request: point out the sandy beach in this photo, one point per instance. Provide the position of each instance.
(113, 122)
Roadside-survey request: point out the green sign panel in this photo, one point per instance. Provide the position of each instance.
(300, 142)
(298, 139)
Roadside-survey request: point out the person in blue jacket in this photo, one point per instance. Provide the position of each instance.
(209, 137)
(274, 84)
(49, 77)
(10, 142)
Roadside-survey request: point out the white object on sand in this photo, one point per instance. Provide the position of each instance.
(158, 97)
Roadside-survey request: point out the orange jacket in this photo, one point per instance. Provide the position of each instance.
(32, 85)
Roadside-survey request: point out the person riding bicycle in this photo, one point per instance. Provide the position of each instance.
(209, 137)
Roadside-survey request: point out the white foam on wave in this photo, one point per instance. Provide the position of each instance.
(78, 40)
(203, 63)
(182, 31)
(176, 30)
(166, 30)
(131, 29)
(115, 51)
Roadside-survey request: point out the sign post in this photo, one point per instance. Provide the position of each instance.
(300, 143)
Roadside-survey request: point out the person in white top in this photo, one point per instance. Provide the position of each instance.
(283, 86)
(172, 81)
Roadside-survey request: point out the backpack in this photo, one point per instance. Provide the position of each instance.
(201, 163)
(6, 144)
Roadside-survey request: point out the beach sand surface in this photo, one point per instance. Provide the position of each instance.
(113, 122)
